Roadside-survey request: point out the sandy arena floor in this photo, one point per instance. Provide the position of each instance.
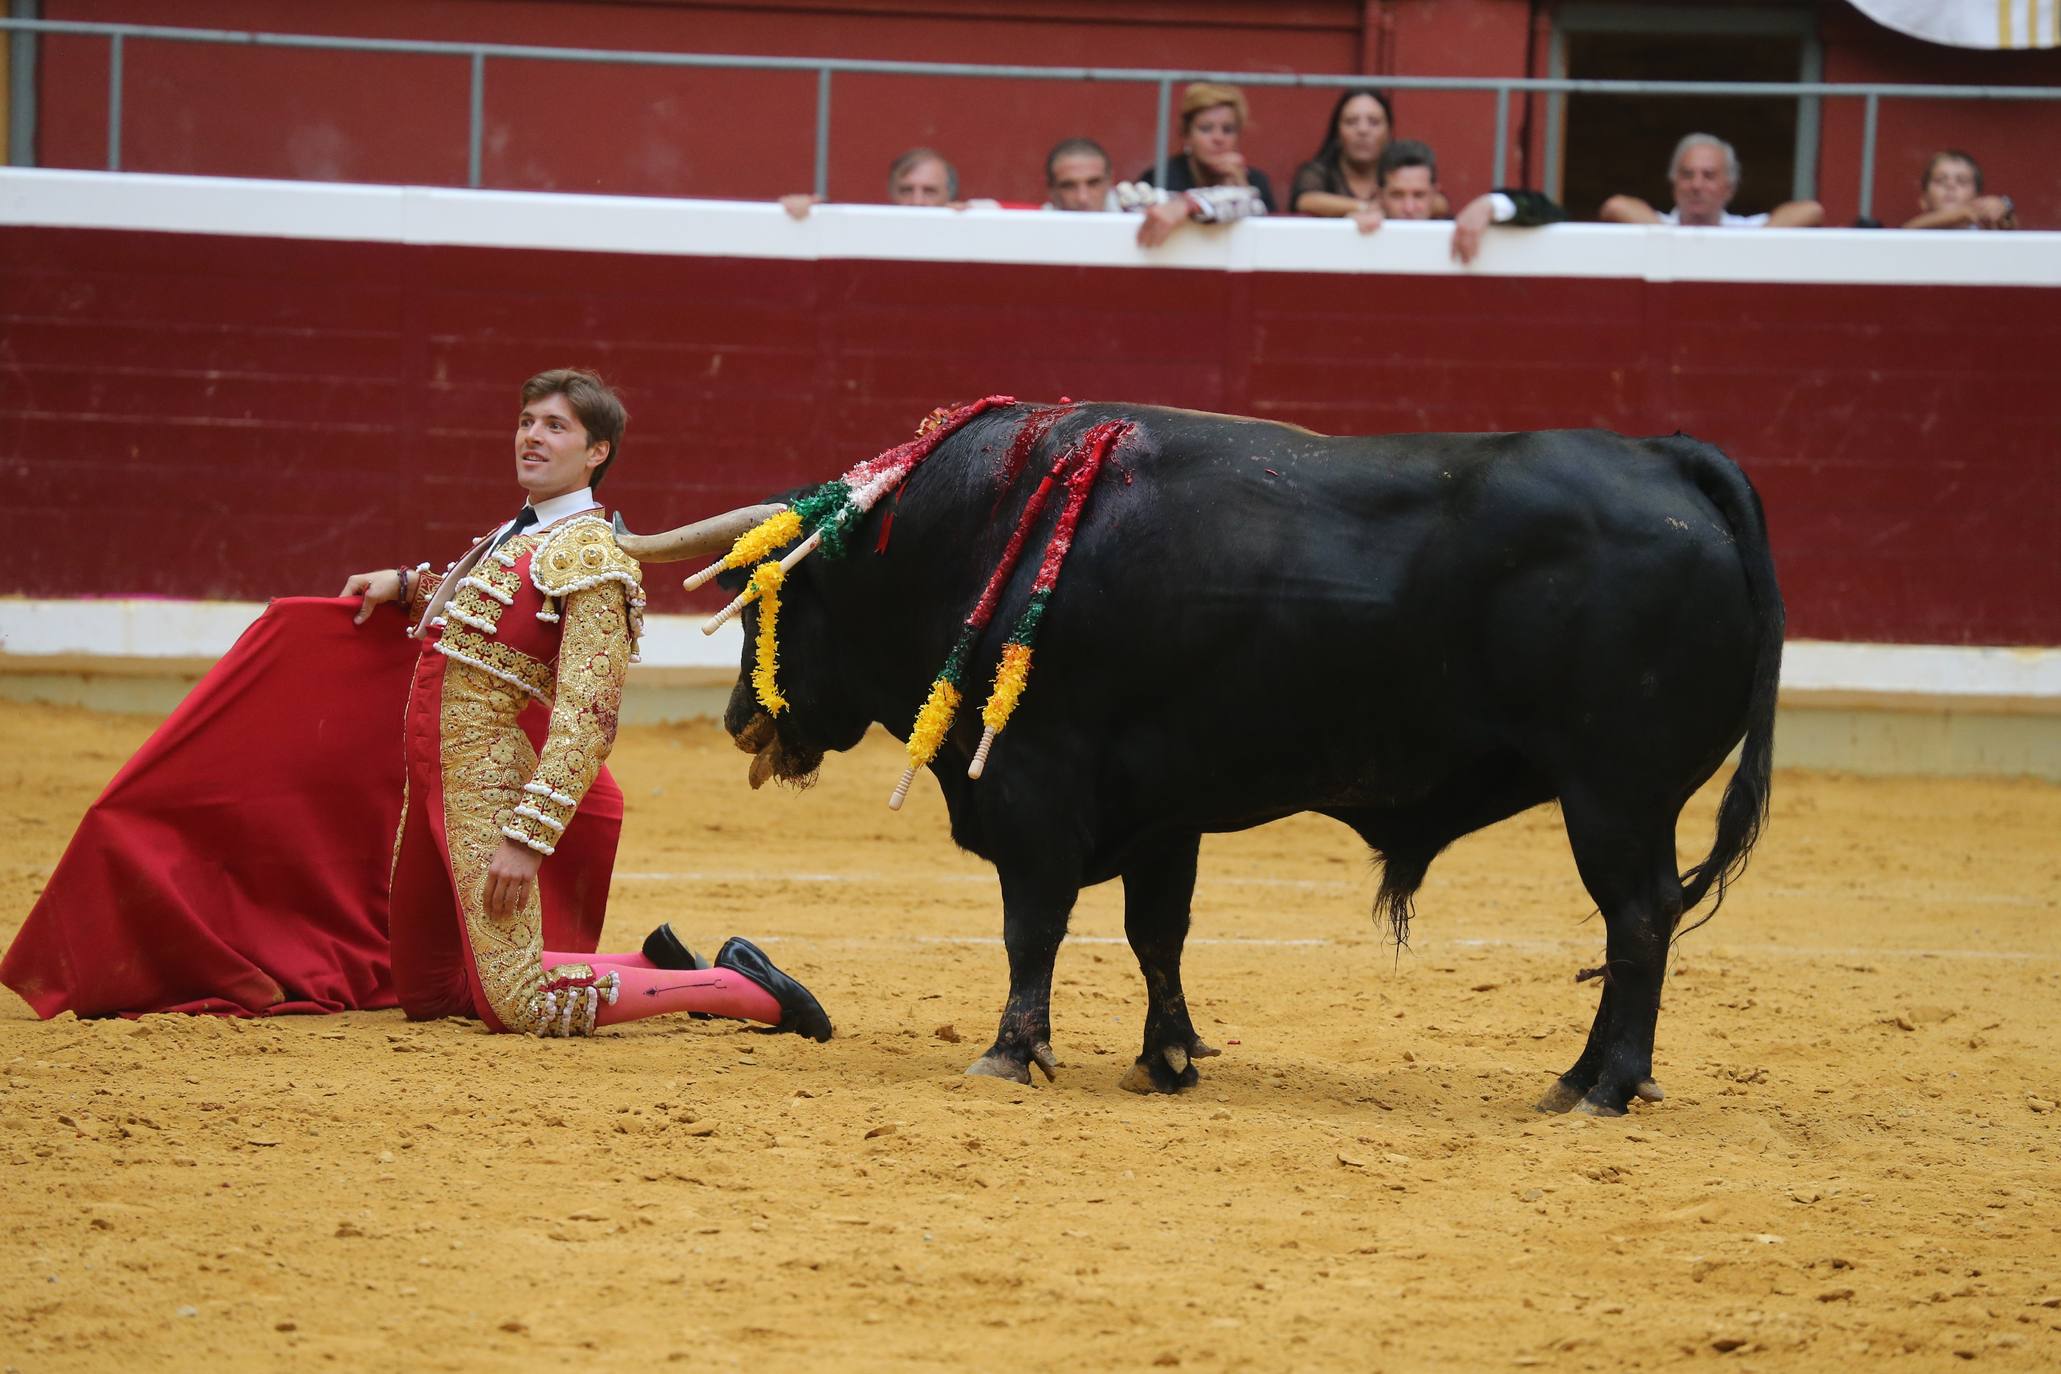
(1859, 1158)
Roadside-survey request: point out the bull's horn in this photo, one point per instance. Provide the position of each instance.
(713, 535)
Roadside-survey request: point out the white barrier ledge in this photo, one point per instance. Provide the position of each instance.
(149, 628)
(150, 203)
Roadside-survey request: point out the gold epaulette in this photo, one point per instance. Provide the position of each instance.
(580, 554)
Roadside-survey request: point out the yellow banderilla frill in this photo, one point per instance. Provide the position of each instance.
(761, 539)
(927, 735)
(754, 544)
(1012, 675)
(765, 580)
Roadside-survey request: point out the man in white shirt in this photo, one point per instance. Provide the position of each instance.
(1705, 173)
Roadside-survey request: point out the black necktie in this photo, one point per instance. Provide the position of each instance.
(524, 518)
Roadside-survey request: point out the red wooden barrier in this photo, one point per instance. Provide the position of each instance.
(205, 416)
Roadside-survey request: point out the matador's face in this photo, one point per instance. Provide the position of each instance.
(552, 453)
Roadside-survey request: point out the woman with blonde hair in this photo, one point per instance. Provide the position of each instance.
(1209, 181)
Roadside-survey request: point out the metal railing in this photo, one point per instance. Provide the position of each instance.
(1164, 79)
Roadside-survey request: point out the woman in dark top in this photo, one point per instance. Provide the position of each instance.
(1212, 117)
(1340, 181)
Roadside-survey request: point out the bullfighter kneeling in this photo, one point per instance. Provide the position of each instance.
(544, 608)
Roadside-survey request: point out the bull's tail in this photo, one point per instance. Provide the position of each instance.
(1744, 808)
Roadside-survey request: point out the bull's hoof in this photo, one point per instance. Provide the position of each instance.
(1169, 1071)
(1597, 1099)
(1595, 1105)
(998, 1066)
(998, 1063)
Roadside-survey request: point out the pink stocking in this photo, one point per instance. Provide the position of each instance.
(648, 991)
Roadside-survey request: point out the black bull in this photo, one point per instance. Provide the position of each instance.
(1418, 635)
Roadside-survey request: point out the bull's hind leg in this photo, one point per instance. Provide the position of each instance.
(1035, 907)
(1159, 885)
(1626, 855)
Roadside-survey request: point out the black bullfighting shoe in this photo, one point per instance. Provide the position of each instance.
(665, 950)
(800, 1012)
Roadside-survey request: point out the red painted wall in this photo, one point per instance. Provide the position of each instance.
(232, 417)
(253, 112)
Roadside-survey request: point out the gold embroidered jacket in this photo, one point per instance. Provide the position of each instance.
(558, 613)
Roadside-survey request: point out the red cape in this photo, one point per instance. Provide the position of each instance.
(239, 862)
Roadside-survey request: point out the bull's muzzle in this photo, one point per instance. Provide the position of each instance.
(769, 759)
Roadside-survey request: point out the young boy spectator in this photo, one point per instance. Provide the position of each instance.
(1705, 173)
(1950, 196)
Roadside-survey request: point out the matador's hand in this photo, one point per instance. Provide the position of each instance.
(372, 589)
(509, 878)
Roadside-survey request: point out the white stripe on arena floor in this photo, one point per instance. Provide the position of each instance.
(1524, 946)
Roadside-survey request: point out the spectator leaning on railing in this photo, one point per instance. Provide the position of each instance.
(1705, 174)
(920, 176)
(1213, 117)
(1077, 177)
(1340, 181)
(1950, 196)
(1409, 190)
(1406, 176)
(1209, 183)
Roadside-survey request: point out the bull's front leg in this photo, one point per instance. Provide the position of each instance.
(1159, 886)
(1035, 908)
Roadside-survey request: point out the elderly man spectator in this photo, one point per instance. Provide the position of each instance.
(1705, 173)
(1950, 196)
(1077, 177)
(920, 176)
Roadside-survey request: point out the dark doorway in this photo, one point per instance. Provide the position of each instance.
(1622, 143)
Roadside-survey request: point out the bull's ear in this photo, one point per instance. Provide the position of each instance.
(713, 535)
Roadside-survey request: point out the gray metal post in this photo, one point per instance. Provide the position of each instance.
(114, 104)
(21, 89)
(822, 186)
(1556, 116)
(1166, 106)
(1868, 154)
(1803, 183)
(476, 126)
(1501, 160)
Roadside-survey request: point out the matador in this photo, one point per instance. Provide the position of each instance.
(544, 608)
